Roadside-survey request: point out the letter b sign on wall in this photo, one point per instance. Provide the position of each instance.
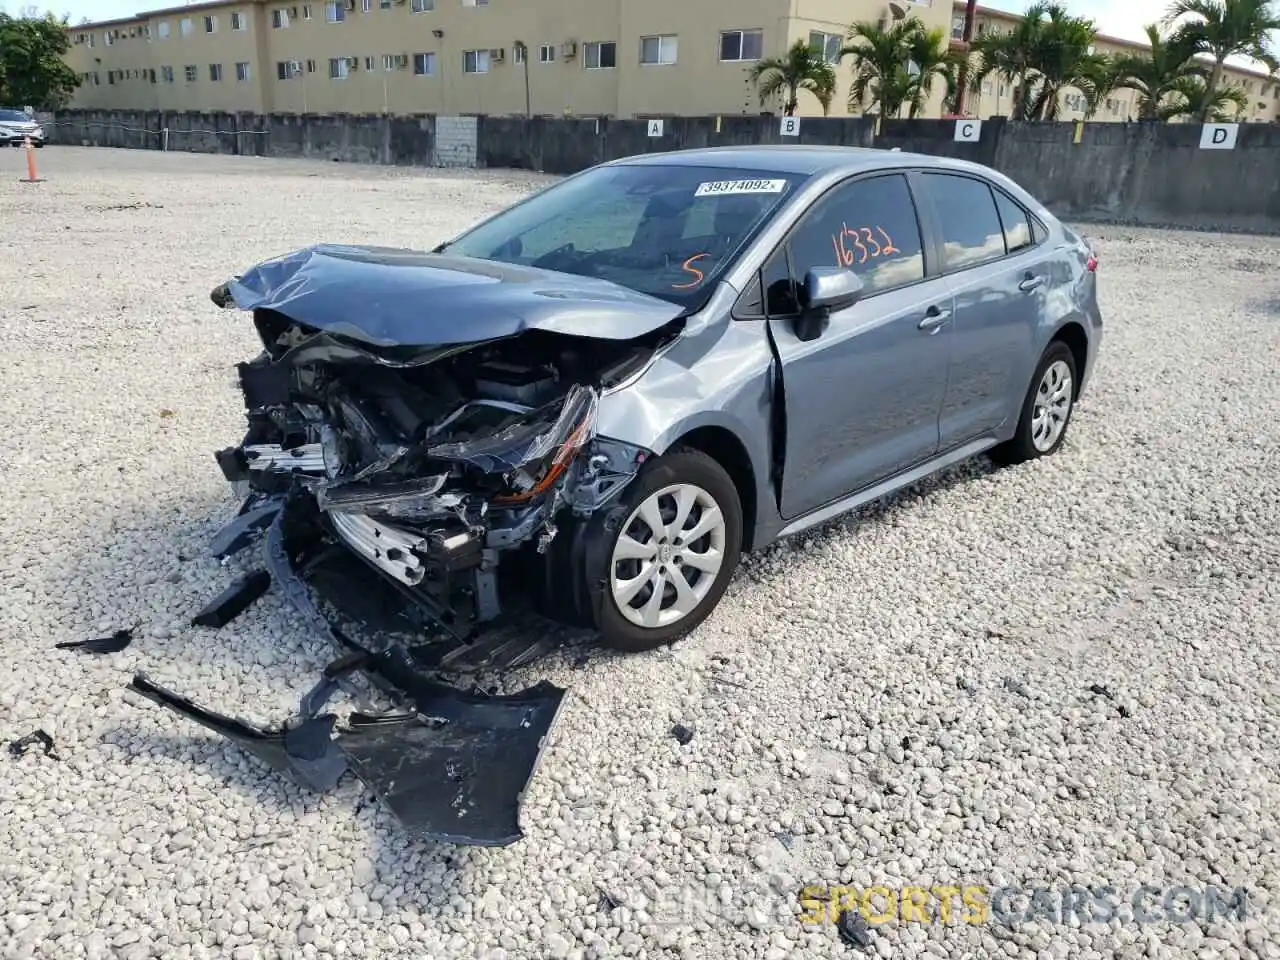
(790, 127)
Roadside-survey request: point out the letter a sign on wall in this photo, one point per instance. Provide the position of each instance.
(655, 128)
(1219, 136)
(968, 131)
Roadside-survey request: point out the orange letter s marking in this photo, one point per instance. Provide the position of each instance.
(689, 268)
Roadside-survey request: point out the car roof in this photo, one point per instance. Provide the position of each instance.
(806, 160)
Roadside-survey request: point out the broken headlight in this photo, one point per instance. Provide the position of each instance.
(535, 450)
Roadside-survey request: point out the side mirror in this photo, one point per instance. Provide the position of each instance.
(826, 290)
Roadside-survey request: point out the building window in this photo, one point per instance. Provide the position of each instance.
(337, 68)
(826, 45)
(384, 4)
(658, 50)
(184, 27)
(166, 74)
(242, 72)
(311, 66)
(423, 6)
(215, 72)
(210, 24)
(366, 6)
(279, 19)
(306, 11)
(388, 62)
(335, 11)
(368, 63)
(238, 22)
(736, 45)
(517, 53)
(162, 29)
(287, 69)
(547, 53)
(189, 71)
(600, 55)
(109, 40)
(957, 28)
(475, 61)
(424, 64)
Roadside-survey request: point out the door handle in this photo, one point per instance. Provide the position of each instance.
(1030, 283)
(934, 319)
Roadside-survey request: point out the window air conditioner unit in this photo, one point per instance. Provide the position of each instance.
(353, 63)
(401, 61)
(569, 49)
(295, 67)
(351, 5)
(293, 13)
(498, 55)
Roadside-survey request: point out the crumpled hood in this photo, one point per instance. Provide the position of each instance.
(391, 297)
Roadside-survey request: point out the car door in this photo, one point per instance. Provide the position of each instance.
(999, 275)
(862, 397)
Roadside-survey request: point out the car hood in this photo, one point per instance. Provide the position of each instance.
(391, 297)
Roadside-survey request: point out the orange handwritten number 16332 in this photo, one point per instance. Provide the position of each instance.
(860, 237)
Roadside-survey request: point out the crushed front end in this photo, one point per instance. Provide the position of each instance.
(393, 489)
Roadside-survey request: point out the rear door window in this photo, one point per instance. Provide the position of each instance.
(1017, 226)
(971, 230)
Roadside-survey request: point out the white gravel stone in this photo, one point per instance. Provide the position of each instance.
(901, 697)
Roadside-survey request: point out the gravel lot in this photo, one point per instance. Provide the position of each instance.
(901, 698)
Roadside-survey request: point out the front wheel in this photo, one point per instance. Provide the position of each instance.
(669, 561)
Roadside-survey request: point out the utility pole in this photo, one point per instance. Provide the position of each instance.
(970, 15)
(524, 58)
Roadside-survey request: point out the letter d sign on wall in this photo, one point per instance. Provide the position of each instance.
(968, 131)
(1219, 136)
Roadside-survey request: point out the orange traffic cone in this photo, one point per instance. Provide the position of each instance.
(31, 163)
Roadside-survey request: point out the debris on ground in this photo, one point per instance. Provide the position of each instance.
(19, 747)
(682, 734)
(1098, 690)
(854, 930)
(112, 644)
(233, 601)
(608, 902)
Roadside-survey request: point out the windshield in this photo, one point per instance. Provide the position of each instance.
(668, 231)
(12, 115)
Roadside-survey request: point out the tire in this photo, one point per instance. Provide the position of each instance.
(682, 476)
(1033, 439)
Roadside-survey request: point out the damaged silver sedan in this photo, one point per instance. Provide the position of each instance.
(595, 400)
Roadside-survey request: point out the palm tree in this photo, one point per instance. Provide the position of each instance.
(1012, 56)
(1222, 29)
(929, 58)
(1097, 78)
(803, 68)
(1190, 97)
(1154, 75)
(1062, 56)
(880, 75)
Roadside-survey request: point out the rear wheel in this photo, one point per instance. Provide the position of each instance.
(1046, 410)
(669, 561)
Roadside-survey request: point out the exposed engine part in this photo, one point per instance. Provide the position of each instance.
(409, 498)
(515, 382)
(308, 458)
(391, 549)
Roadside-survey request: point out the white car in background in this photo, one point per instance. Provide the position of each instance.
(16, 126)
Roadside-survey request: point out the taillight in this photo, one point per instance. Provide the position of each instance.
(1091, 264)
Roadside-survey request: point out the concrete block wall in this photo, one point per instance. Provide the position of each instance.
(456, 141)
(1140, 173)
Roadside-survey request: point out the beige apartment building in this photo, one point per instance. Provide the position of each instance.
(622, 58)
